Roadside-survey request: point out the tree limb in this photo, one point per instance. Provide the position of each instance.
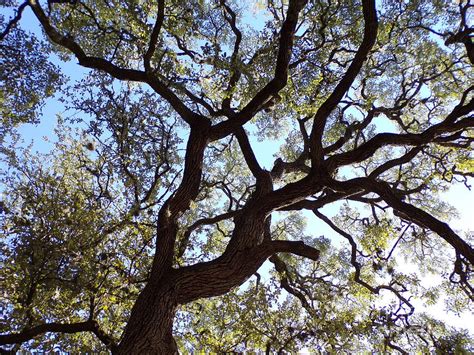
(281, 268)
(233, 267)
(278, 82)
(425, 219)
(12, 23)
(358, 266)
(368, 41)
(28, 334)
(414, 214)
(249, 154)
(202, 222)
(234, 78)
(117, 72)
(367, 149)
(295, 247)
(154, 35)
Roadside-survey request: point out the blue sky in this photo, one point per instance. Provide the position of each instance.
(458, 195)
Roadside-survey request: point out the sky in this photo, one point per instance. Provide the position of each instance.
(458, 195)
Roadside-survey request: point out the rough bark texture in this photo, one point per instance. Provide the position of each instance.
(149, 329)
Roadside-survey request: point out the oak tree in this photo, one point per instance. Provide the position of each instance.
(155, 224)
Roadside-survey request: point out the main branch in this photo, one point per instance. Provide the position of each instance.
(118, 72)
(320, 118)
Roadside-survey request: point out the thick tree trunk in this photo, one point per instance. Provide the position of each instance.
(149, 330)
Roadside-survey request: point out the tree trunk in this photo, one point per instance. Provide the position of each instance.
(150, 327)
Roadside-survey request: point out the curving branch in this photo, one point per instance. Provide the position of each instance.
(359, 127)
(278, 82)
(281, 167)
(282, 270)
(82, 57)
(249, 155)
(320, 118)
(201, 222)
(465, 33)
(329, 197)
(178, 203)
(358, 267)
(431, 135)
(295, 247)
(231, 18)
(115, 71)
(68, 328)
(12, 23)
(154, 35)
(422, 218)
(233, 267)
(410, 212)
(405, 158)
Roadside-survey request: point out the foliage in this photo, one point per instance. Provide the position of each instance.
(155, 224)
(26, 80)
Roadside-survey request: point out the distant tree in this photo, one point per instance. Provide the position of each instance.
(155, 199)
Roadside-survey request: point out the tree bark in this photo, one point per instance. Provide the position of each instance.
(150, 327)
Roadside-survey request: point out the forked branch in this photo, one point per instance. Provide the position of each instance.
(321, 116)
(115, 71)
(279, 80)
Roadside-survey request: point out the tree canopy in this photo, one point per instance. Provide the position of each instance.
(156, 225)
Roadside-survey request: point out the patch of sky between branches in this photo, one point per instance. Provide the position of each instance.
(41, 136)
